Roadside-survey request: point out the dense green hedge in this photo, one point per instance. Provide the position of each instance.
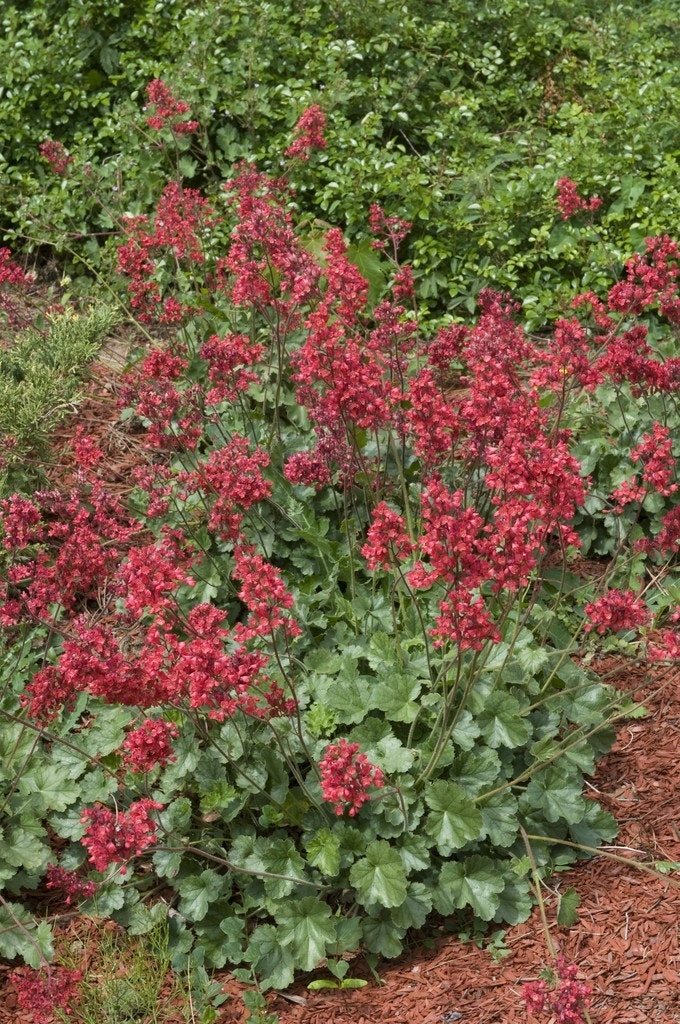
(456, 115)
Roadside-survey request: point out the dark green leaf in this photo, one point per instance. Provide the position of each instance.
(454, 820)
(379, 877)
(199, 891)
(474, 882)
(307, 928)
(567, 910)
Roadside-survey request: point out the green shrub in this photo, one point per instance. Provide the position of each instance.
(459, 117)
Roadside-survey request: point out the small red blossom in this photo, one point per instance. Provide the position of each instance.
(73, 887)
(664, 646)
(616, 610)
(264, 594)
(168, 111)
(392, 230)
(666, 542)
(346, 776)
(655, 451)
(152, 573)
(56, 156)
(651, 280)
(231, 481)
(570, 202)
(308, 133)
(13, 276)
(116, 837)
(21, 522)
(42, 992)
(228, 359)
(263, 240)
(149, 746)
(387, 539)
(86, 451)
(403, 284)
(564, 998)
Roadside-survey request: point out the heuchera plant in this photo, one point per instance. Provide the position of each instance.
(327, 661)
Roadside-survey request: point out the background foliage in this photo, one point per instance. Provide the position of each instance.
(459, 116)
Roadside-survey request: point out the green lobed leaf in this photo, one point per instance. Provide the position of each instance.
(306, 927)
(272, 961)
(107, 731)
(48, 787)
(323, 852)
(379, 877)
(199, 891)
(454, 820)
(414, 911)
(475, 882)
(414, 852)
(476, 770)
(466, 731)
(20, 936)
(596, 826)
(500, 818)
(515, 903)
(279, 857)
(383, 936)
(501, 722)
(167, 862)
(557, 791)
(22, 847)
(217, 944)
(397, 697)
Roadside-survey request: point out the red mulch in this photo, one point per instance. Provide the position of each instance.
(627, 941)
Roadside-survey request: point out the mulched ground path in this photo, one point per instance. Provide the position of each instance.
(627, 941)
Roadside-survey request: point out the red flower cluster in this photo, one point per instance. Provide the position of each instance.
(227, 359)
(308, 133)
(42, 992)
(265, 596)
(570, 202)
(266, 268)
(616, 610)
(11, 274)
(115, 837)
(182, 215)
(392, 230)
(86, 452)
(315, 468)
(388, 540)
(149, 746)
(651, 281)
(73, 887)
(566, 1001)
(655, 451)
(665, 646)
(168, 111)
(230, 481)
(65, 547)
(151, 574)
(667, 540)
(56, 156)
(346, 776)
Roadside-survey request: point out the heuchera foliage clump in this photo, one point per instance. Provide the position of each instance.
(326, 661)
